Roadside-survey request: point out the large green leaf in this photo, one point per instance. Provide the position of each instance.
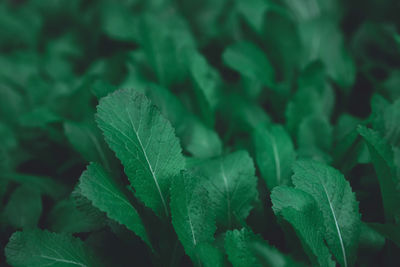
(146, 144)
(274, 155)
(37, 248)
(108, 196)
(302, 212)
(338, 204)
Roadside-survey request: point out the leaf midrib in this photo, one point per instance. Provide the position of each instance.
(228, 197)
(148, 162)
(276, 158)
(336, 224)
(62, 260)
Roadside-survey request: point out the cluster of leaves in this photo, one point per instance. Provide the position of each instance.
(204, 133)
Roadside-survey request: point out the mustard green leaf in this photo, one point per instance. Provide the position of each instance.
(244, 248)
(146, 144)
(37, 248)
(192, 218)
(338, 204)
(232, 186)
(238, 248)
(108, 196)
(302, 212)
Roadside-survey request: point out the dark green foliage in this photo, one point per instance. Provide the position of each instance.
(199, 133)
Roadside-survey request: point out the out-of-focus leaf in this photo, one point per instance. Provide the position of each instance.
(65, 217)
(274, 155)
(207, 83)
(315, 138)
(250, 61)
(44, 185)
(196, 138)
(88, 141)
(165, 42)
(382, 159)
(323, 40)
(389, 231)
(24, 208)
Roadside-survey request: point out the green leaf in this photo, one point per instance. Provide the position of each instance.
(392, 83)
(166, 41)
(39, 117)
(250, 61)
(244, 248)
(338, 204)
(44, 185)
(196, 137)
(65, 217)
(391, 118)
(237, 246)
(117, 21)
(88, 141)
(246, 116)
(370, 238)
(193, 220)
(382, 159)
(39, 248)
(24, 208)
(314, 138)
(302, 212)
(86, 207)
(146, 144)
(232, 186)
(310, 99)
(274, 155)
(253, 11)
(348, 148)
(270, 256)
(323, 41)
(210, 256)
(108, 196)
(206, 82)
(388, 230)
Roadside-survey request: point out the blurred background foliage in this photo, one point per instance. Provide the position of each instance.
(313, 65)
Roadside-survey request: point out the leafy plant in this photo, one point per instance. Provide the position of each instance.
(199, 133)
